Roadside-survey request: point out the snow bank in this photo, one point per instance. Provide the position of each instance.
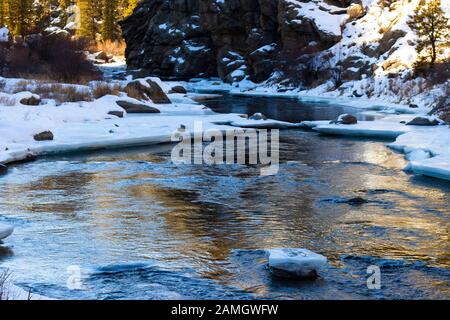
(371, 129)
(428, 149)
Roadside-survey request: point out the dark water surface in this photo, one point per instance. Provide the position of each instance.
(140, 227)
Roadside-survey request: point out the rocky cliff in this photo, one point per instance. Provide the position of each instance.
(228, 38)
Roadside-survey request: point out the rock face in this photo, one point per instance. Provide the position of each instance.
(230, 39)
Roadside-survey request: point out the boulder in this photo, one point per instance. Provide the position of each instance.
(346, 119)
(145, 90)
(295, 263)
(102, 55)
(5, 231)
(356, 11)
(424, 121)
(131, 107)
(413, 106)
(178, 89)
(33, 100)
(118, 114)
(44, 136)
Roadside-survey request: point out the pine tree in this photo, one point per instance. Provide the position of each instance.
(110, 29)
(129, 8)
(3, 13)
(20, 17)
(431, 25)
(88, 26)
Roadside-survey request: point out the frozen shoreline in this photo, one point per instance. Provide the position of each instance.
(430, 142)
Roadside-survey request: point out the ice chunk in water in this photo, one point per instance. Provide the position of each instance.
(295, 263)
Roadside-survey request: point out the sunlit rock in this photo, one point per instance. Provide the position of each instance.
(5, 231)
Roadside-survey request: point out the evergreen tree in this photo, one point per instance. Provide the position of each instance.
(20, 17)
(88, 25)
(431, 25)
(129, 7)
(3, 13)
(110, 29)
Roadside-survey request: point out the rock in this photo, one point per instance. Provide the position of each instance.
(44, 136)
(413, 106)
(230, 39)
(356, 11)
(346, 119)
(258, 116)
(3, 169)
(118, 114)
(102, 55)
(145, 90)
(131, 107)
(423, 121)
(357, 201)
(5, 231)
(178, 89)
(33, 100)
(295, 263)
(389, 39)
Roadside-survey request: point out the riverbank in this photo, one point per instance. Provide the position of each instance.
(425, 147)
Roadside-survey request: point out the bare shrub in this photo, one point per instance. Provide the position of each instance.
(55, 57)
(115, 48)
(5, 280)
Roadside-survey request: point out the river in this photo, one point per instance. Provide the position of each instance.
(138, 226)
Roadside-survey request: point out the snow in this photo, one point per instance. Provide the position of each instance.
(5, 231)
(4, 34)
(87, 125)
(298, 263)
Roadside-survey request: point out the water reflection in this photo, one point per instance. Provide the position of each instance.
(200, 230)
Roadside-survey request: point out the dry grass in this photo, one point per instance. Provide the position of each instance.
(102, 89)
(63, 93)
(115, 48)
(7, 101)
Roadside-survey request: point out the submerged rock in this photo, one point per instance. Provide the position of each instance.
(295, 263)
(44, 136)
(178, 89)
(131, 107)
(5, 230)
(423, 121)
(3, 169)
(258, 116)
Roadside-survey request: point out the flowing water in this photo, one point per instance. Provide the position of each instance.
(139, 227)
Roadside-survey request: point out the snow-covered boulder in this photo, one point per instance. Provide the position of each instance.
(5, 231)
(295, 263)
